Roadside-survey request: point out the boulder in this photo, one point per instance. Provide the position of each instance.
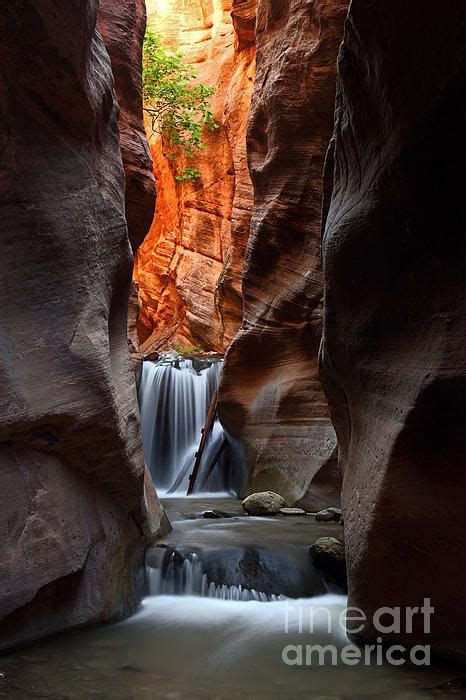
(329, 515)
(328, 557)
(213, 515)
(263, 503)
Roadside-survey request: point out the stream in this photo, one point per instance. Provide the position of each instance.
(227, 594)
(196, 647)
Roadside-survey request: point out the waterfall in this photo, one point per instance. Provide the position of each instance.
(174, 398)
(183, 574)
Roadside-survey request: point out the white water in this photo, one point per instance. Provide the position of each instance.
(186, 577)
(174, 398)
(193, 647)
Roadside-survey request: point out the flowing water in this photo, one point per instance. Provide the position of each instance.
(174, 398)
(227, 595)
(180, 645)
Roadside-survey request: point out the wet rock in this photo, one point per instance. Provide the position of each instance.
(329, 515)
(263, 503)
(292, 511)
(274, 573)
(213, 514)
(328, 556)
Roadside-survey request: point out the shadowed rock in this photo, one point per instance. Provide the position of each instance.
(271, 401)
(328, 557)
(76, 508)
(122, 25)
(393, 352)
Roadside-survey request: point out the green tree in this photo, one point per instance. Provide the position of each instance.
(179, 110)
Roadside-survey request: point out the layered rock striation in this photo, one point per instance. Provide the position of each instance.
(122, 25)
(393, 352)
(271, 400)
(76, 507)
(188, 271)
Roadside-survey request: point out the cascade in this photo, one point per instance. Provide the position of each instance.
(174, 398)
(183, 574)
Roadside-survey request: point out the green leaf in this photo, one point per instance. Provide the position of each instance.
(179, 110)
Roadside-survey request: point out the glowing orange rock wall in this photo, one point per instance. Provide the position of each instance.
(188, 270)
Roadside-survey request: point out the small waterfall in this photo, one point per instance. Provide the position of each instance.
(183, 574)
(174, 398)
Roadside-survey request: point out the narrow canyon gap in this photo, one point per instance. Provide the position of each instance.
(232, 262)
(77, 507)
(188, 270)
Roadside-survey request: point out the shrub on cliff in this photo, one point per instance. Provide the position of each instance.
(178, 108)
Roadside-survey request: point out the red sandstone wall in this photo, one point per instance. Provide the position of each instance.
(188, 271)
(271, 400)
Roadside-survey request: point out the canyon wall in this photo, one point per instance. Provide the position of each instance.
(188, 271)
(271, 400)
(122, 25)
(393, 352)
(76, 507)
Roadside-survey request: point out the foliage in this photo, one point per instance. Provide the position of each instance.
(187, 349)
(179, 110)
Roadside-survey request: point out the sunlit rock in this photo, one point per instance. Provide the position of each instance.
(271, 400)
(189, 269)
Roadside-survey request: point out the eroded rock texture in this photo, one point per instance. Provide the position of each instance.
(189, 269)
(122, 25)
(75, 513)
(394, 341)
(271, 399)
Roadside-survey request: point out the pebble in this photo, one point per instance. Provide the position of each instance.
(292, 511)
(329, 515)
(213, 514)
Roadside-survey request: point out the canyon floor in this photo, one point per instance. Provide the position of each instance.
(186, 646)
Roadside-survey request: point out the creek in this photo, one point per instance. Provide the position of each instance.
(182, 645)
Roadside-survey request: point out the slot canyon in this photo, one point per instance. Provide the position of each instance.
(232, 374)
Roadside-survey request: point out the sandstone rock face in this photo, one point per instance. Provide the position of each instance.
(271, 400)
(75, 508)
(188, 271)
(122, 25)
(393, 350)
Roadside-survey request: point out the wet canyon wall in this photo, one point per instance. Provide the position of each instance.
(77, 507)
(271, 399)
(393, 353)
(188, 270)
